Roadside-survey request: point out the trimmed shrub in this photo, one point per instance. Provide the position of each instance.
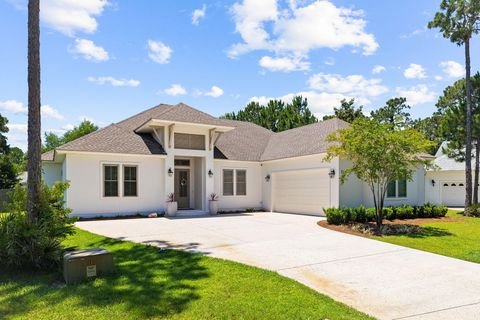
(39, 245)
(335, 216)
(405, 212)
(371, 212)
(473, 210)
(389, 213)
(349, 215)
(361, 214)
(439, 211)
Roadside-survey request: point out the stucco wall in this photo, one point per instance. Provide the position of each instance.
(299, 163)
(85, 198)
(415, 192)
(351, 191)
(253, 199)
(51, 172)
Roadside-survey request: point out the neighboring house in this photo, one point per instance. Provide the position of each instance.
(446, 181)
(131, 166)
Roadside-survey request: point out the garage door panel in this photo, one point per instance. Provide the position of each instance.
(301, 191)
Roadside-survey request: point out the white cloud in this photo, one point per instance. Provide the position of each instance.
(353, 85)
(90, 51)
(159, 52)
(67, 127)
(19, 127)
(114, 82)
(175, 90)
(417, 94)
(49, 112)
(16, 107)
(452, 69)
(378, 69)
(438, 78)
(214, 92)
(284, 64)
(198, 14)
(298, 30)
(13, 106)
(69, 16)
(415, 71)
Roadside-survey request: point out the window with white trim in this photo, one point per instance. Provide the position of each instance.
(227, 182)
(110, 180)
(397, 189)
(241, 182)
(234, 182)
(130, 181)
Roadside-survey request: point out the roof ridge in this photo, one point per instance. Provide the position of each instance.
(145, 111)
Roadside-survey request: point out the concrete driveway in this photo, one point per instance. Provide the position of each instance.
(383, 280)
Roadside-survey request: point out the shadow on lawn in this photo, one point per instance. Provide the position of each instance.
(147, 282)
(427, 232)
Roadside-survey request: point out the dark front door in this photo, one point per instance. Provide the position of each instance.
(182, 188)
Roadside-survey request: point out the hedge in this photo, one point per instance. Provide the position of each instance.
(361, 214)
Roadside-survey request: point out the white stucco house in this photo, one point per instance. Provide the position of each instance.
(445, 183)
(131, 166)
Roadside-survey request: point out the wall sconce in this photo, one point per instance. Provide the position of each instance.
(433, 183)
(332, 173)
(170, 172)
(210, 173)
(267, 178)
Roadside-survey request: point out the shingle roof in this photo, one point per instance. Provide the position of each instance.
(247, 142)
(302, 141)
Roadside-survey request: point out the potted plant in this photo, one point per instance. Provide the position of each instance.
(213, 204)
(172, 205)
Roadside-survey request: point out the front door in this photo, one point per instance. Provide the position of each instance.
(182, 188)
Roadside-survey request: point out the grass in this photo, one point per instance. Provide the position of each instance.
(148, 284)
(460, 239)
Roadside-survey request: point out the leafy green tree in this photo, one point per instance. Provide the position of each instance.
(276, 115)
(458, 20)
(3, 138)
(378, 155)
(8, 172)
(347, 111)
(18, 159)
(430, 128)
(393, 113)
(452, 105)
(53, 141)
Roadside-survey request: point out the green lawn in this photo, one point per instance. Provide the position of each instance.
(454, 239)
(171, 284)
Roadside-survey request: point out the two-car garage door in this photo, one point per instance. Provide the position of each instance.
(301, 191)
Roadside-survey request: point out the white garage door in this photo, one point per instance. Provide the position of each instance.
(301, 191)
(453, 194)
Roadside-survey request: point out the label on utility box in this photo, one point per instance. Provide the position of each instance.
(91, 271)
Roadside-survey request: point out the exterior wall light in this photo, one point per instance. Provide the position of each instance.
(210, 173)
(332, 173)
(433, 183)
(170, 172)
(267, 178)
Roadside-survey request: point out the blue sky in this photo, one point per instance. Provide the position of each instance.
(107, 60)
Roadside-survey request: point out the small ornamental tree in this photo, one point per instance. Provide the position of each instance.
(379, 154)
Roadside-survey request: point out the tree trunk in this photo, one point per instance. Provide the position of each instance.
(468, 146)
(477, 169)
(34, 135)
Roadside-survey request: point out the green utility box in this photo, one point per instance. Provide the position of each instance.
(81, 265)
